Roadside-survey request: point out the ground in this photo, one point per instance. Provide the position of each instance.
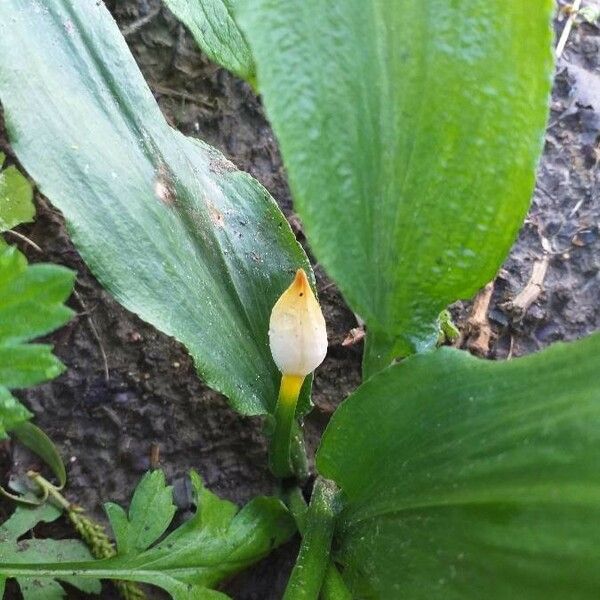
(108, 428)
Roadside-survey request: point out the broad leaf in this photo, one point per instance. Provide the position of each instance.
(166, 223)
(212, 25)
(469, 479)
(213, 545)
(16, 198)
(31, 305)
(41, 550)
(411, 132)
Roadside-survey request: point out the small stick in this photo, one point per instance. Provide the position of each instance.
(154, 456)
(478, 326)
(141, 22)
(186, 96)
(355, 335)
(94, 333)
(533, 288)
(562, 42)
(25, 239)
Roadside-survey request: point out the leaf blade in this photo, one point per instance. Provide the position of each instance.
(150, 513)
(31, 304)
(478, 477)
(38, 551)
(216, 32)
(211, 546)
(16, 198)
(166, 223)
(411, 155)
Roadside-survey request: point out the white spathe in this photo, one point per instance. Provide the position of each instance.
(297, 333)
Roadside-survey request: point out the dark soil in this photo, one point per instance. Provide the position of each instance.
(106, 429)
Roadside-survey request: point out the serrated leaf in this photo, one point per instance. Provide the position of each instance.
(410, 132)
(169, 226)
(16, 198)
(22, 551)
(12, 412)
(213, 545)
(150, 513)
(468, 479)
(216, 32)
(31, 305)
(24, 519)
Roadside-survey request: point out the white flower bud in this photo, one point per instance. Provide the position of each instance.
(297, 333)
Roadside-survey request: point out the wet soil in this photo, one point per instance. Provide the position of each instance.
(108, 428)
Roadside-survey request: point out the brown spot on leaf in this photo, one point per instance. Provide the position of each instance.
(163, 187)
(216, 216)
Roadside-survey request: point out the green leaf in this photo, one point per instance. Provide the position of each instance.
(12, 412)
(24, 519)
(215, 31)
(166, 223)
(464, 478)
(150, 513)
(213, 545)
(31, 305)
(13, 550)
(37, 441)
(16, 198)
(410, 132)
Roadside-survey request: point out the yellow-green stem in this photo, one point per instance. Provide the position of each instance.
(285, 412)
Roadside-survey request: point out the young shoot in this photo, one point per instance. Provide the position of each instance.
(298, 340)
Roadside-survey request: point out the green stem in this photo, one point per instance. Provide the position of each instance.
(292, 497)
(285, 412)
(314, 573)
(334, 587)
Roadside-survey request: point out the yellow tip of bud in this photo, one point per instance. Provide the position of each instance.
(297, 333)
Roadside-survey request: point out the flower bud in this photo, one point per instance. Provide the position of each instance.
(297, 333)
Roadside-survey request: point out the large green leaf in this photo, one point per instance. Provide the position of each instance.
(31, 305)
(166, 223)
(212, 25)
(465, 478)
(411, 132)
(213, 545)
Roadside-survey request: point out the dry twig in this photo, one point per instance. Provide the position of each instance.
(564, 36)
(25, 239)
(478, 332)
(95, 333)
(141, 22)
(533, 288)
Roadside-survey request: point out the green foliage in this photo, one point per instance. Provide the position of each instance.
(212, 25)
(215, 543)
(166, 223)
(31, 304)
(464, 478)
(15, 550)
(16, 198)
(39, 443)
(150, 513)
(410, 132)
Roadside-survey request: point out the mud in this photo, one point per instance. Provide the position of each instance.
(108, 428)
